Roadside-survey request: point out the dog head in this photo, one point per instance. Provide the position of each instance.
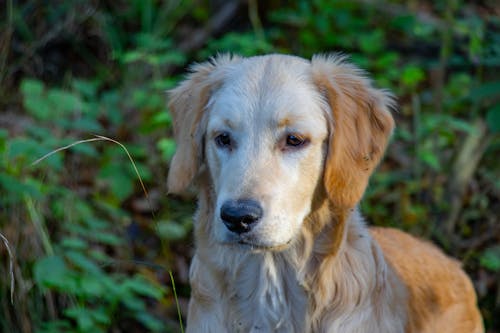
(275, 133)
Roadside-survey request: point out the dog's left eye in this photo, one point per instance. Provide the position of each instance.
(293, 140)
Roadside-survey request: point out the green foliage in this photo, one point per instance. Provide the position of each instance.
(493, 118)
(490, 258)
(72, 202)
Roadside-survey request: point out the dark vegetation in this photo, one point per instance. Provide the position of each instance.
(92, 252)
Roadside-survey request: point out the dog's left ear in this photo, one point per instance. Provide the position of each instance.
(361, 125)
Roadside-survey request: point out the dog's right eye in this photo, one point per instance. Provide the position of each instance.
(223, 140)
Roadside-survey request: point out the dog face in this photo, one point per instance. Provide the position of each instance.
(273, 131)
(264, 149)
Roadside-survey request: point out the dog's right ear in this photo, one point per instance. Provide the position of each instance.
(187, 105)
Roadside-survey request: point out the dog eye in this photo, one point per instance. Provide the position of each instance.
(223, 140)
(293, 140)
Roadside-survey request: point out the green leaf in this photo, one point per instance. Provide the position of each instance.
(429, 158)
(118, 179)
(373, 42)
(55, 326)
(412, 76)
(92, 286)
(107, 238)
(85, 124)
(83, 317)
(490, 258)
(74, 243)
(18, 188)
(493, 119)
(162, 118)
(167, 148)
(34, 100)
(101, 316)
(140, 285)
(86, 88)
(171, 230)
(151, 322)
(486, 90)
(84, 263)
(64, 101)
(32, 87)
(134, 303)
(87, 149)
(51, 272)
(95, 223)
(27, 150)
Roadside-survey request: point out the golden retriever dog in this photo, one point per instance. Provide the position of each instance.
(279, 150)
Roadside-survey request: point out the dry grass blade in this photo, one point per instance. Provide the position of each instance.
(64, 148)
(97, 138)
(11, 266)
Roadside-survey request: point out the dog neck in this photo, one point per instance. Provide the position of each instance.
(346, 277)
(332, 273)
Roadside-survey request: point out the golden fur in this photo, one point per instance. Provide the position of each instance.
(309, 264)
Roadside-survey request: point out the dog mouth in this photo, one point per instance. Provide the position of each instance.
(253, 246)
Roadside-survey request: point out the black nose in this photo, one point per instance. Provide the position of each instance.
(240, 216)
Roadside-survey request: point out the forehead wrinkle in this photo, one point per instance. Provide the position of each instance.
(267, 93)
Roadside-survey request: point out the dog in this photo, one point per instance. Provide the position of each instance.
(280, 150)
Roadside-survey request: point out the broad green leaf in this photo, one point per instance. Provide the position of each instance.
(371, 43)
(493, 119)
(171, 231)
(85, 124)
(490, 258)
(87, 149)
(132, 56)
(51, 272)
(83, 317)
(92, 285)
(38, 106)
(86, 88)
(55, 326)
(18, 188)
(74, 243)
(167, 148)
(151, 322)
(120, 182)
(144, 287)
(107, 238)
(26, 150)
(32, 87)
(412, 76)
(100, 315)
(135, 304)
(161, 119)
(64, 101)
(96, 223)
(429, 158)
(83, 262)
(486, 90)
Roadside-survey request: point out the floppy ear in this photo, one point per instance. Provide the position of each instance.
(187, 105)
(361, 125)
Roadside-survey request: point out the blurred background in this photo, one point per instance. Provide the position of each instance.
(91, 251)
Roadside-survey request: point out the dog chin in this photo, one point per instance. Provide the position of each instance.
(253, 245)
